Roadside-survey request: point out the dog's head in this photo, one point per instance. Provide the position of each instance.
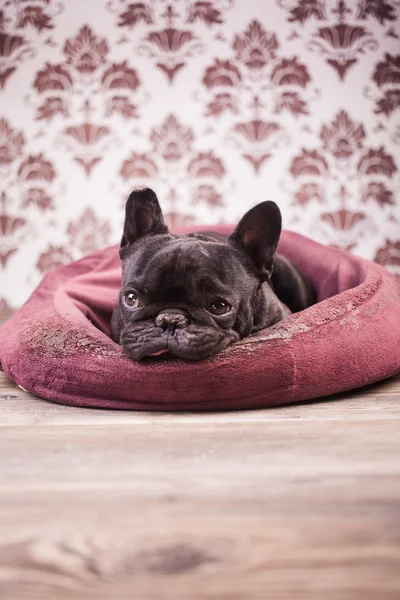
(192, 295)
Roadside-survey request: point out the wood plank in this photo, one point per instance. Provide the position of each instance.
(82, 545)
(107, 454)
(128, 549)
(379, 401)
(299, 510)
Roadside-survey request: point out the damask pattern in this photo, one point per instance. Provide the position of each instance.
(215, 104)
(339, 31)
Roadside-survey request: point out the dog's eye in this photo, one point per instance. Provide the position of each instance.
(219, 307)
(131, 300)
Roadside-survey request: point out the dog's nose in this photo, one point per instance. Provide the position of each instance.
(171, 318)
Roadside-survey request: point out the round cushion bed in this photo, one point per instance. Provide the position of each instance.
(57, 345)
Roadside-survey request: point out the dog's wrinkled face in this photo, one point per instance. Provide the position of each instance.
(191, 295)
(184, 295)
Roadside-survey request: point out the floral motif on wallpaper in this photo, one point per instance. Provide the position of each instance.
(86, 83)
(17, 20)
(172, 37)
(172, 158)
(389, 256)
(387, 78)
(384, 91)
(85, 235)
(256, 75)
(345, 168)
(28, 184)
(340, 31)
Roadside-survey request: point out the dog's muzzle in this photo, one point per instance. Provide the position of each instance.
(171, 319)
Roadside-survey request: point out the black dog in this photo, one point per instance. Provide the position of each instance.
(193, 295)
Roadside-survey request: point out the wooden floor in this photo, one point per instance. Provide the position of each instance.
(301, 502)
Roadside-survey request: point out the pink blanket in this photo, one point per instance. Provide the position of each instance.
(57, 344)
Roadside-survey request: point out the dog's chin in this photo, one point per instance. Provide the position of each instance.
(194, 342)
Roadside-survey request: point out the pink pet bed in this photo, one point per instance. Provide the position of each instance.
(57, 344)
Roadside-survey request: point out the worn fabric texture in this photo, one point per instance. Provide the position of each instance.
(57, 344)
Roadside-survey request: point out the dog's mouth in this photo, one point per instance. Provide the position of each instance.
(162, 355)
(158, 357)
(144, 340)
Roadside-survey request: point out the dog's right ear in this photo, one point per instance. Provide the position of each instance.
(143, 216)
(257, 235)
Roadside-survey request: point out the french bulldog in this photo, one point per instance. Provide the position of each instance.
(193, 295)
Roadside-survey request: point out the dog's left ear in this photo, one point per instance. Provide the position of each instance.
(143, 216)
(257, 235)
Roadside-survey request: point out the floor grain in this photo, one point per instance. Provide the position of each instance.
(298, 502)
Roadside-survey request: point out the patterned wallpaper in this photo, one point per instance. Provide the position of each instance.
(217, 105)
